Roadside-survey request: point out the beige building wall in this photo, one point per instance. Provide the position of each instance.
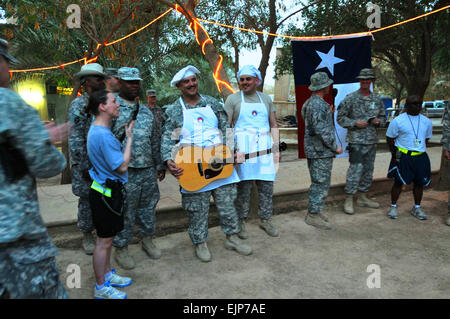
(281, 89)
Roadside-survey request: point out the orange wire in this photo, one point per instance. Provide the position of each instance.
(325, 36)
(232, 27)
(98, 45)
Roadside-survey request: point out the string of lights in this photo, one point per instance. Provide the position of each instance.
(85, 60)
(326, 36)
(208, 40)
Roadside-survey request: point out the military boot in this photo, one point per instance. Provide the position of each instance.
(150, 248)
(317, 221)
(233, 242)
(348, 205)
(243, 233)
(202, 252)
(269, 228)
(88, 243)
(364, 201)
(123, 258)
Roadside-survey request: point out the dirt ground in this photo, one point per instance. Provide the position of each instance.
(411, 257)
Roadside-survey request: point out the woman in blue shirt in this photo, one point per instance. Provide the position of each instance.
(109, 174)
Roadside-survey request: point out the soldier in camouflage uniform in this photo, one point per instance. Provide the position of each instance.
(156, 110)
(112, 80)
(446, 145)
(27, 255)
(203, 122)
(320, 148)
(143, 172)
(92, 79)
(360, 113)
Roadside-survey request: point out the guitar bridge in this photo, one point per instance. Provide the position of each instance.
(200, 168)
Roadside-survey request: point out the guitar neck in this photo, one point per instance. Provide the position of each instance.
(258, 153)
(250, 155)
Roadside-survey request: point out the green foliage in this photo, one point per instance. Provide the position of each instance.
(41, 38)
(410, 49)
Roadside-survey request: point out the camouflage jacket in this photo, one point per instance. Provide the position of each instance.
(446, 129)
(21, 126)
(81, 122)
(158, 116)
(356, 107)
(319, 133)
(173, 121)
(145, 151)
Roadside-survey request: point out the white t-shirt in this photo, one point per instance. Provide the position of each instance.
(407, 128)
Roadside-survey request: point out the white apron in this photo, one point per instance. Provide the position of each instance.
(200, 128)
(252, 133)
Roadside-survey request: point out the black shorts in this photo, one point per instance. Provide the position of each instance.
(106, 223)
(409, 169)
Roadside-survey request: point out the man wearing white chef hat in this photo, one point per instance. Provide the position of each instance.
(252, 115)
(203, 122)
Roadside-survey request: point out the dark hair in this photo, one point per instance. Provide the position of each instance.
(97, 98)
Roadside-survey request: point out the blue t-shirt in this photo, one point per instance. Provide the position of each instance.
(106, 155)
(406, 128)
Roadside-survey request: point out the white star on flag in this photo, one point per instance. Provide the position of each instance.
(328, 60)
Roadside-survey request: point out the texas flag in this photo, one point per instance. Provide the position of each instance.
(342, 59)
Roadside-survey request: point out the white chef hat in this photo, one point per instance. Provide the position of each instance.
(250, 70)
(184, 73)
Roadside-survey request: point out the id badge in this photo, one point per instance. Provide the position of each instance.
(417, 143)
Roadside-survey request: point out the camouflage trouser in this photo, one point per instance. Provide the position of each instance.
(80, 188)
(142, 197)
(197, 205)
(360, 172)
(22, 280)
(320, 172)
(265, 193)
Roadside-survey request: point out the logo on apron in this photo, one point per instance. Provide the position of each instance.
(254, 113)
(200, 119)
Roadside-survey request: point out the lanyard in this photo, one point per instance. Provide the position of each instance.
(418, 125)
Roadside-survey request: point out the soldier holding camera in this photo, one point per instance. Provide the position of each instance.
(361, 112)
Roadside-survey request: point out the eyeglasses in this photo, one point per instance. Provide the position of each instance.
(245, 79)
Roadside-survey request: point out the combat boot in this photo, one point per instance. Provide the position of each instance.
(348, 205)
(233, 242)
(150, 248)
(123, 258)
(364, 201)
(317, 221)
(243, 232)
(268, 228)
(202, 252)
(88, 243)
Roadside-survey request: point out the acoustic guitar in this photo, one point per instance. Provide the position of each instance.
(202, 165)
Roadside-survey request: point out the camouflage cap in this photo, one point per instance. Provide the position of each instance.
(4, 51)
(129, 74)
(111, 72)
(319, 80)
(366, 74)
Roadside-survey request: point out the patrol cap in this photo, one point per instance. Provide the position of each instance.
(151, 92)
(111, 72)
(90, 69)
(366, 74)
(319, 80)
(128, 74)
(4, 51)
